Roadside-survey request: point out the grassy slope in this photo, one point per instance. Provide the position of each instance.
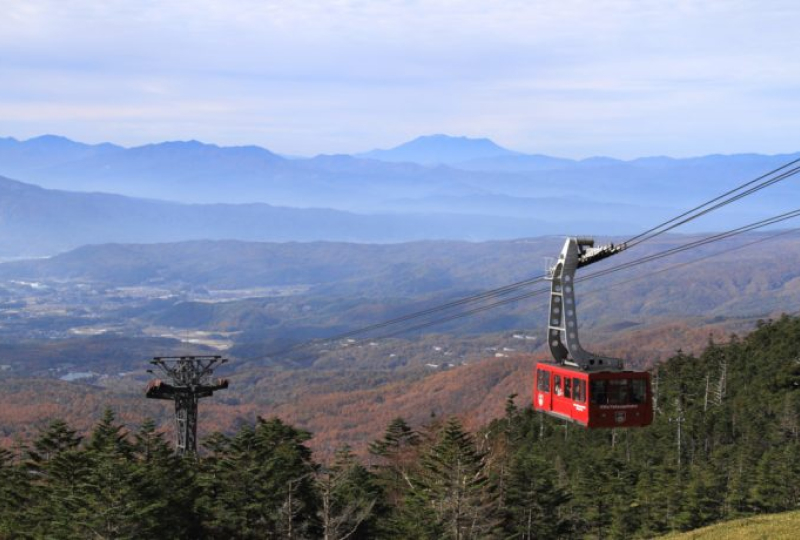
(785, 526)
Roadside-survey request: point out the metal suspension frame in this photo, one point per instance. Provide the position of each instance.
(190, 379)
(562, 328)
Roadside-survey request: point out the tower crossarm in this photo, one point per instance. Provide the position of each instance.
(186, 380)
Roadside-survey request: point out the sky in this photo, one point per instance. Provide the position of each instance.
(570, 78)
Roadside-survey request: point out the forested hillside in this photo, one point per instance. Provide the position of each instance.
(272, 291)
(725, 443)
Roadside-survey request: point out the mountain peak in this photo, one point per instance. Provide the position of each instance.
(59, 143)
(440, 149)
(190, 144)
(52, 141)
(452, 139)
(193, 149)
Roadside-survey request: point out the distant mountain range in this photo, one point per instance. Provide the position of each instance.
(194, 172)
(431, 187)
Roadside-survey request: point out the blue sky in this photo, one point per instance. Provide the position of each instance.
(560, 77)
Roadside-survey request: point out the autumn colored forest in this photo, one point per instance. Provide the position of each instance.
(338, 406)
(725, 443)
(102, 312)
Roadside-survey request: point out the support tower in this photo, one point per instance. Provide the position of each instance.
(189, 379)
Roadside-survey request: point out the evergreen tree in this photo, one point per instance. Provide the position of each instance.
(14, 495)
(59, 471)
(626, 517)
(120, 498)
(60, 496)
(260, 484)
(351, 500)
(775, 482)
(592, 490)
(396, 454)
(168, 482)
(57, 438)
(453, 485)
(741, 472)
(701, 503)
(395, 460)
(398, 437)
(534, 503)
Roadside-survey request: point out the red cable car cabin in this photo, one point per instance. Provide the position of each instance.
(598, 399)
(588, 389)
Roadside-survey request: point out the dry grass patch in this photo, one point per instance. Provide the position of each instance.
(785, 526)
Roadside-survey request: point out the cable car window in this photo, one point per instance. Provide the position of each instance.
(557, 385)
(567, 387)
(598, 392)
(543, 380)
(579, 390)
(618, 391)
(638, 390)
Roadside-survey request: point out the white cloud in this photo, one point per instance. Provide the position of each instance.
(563, 77)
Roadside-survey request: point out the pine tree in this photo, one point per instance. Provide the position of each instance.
(168, 484)
(398, 437)
(14, 495)
(741, 472)
(59, 470)
(626, 517)
(395, 458)
(534, 503)
(119, 499)
(701, 503)
(60, 496)
(260, 484)
(57, 438)
(592, 489)
(351, 500)
(775, 483)
(454, 486)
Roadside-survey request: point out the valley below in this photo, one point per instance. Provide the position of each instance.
(79, 329)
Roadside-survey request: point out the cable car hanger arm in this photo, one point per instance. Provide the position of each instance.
(562, 328)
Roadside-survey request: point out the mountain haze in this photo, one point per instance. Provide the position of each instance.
(189, 190)
(39, 221)
(194, 172)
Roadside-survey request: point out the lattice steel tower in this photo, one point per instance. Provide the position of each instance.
(190, 378)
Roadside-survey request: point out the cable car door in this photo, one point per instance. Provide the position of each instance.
(562, 391)
(542, 391)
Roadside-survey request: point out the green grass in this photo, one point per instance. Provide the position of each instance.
(785, 526)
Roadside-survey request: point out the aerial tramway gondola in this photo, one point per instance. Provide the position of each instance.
(590, 390)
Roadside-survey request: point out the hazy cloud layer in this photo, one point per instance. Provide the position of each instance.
(573, 78)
